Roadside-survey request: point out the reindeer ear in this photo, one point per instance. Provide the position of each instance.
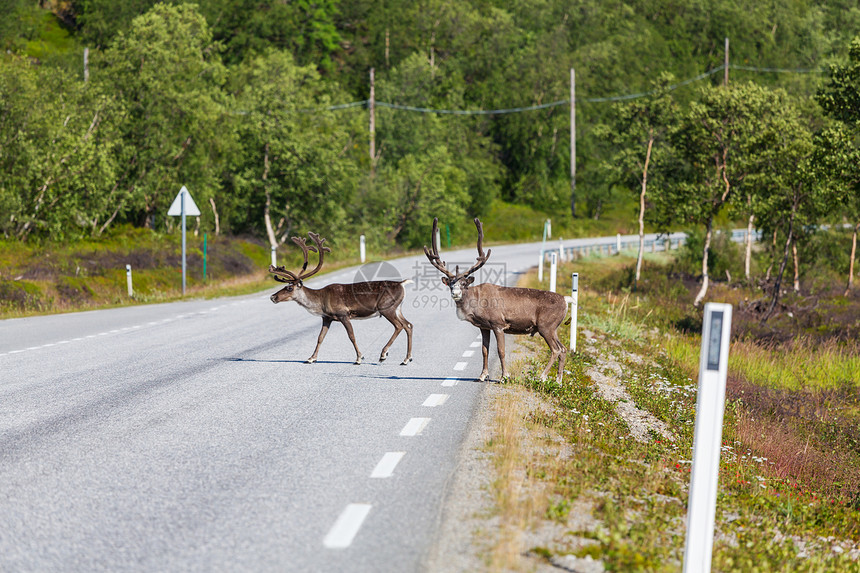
(445, 281)
(470, 280)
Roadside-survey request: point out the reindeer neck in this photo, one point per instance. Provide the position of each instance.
(309, 299)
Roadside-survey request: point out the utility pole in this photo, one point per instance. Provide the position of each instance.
(726, 65)
(372, 105)
(572, 143)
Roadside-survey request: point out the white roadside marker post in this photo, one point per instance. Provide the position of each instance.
(618, 244)
(560, 251)
(362, 251)
(274, 256)
(540, 267)
(553, 269)
(438, 240)
(546, 231)
(128, 280)
(574, 306)
(702, 505)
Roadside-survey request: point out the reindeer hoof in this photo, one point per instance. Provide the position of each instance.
(483, 376)
(310, 360)
(383, 356)
(406, 361)
(358, 360)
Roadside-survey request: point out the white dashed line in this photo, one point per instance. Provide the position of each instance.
(450, 381)
(414, 426)
(461, 365)
(347, 525)
(435, 400)
(468, 353)
(475, 344)
(386, 465)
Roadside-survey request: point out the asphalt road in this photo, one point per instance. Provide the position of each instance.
(191, 436)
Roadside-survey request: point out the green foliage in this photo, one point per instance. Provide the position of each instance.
(181, 94)
(291, 162)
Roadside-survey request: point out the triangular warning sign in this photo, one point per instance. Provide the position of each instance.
(191, 209)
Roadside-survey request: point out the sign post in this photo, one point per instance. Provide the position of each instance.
(182, 206)
(574, 306)
(702, 505)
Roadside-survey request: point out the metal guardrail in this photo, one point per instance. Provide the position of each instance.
(573, 249)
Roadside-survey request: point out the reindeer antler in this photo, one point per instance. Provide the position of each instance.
(433, 255)
(482, 258)
(282, 275)
(436, 260)
(285, 276)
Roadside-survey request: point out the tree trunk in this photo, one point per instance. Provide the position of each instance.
(267, 213)
(784, 263)
(772, 255)
(851, 260)
(796, 267)
(748, 254)
(217, 220)
(704, 290)
(642, 211)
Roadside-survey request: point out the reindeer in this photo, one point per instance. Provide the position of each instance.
(344, 302)
(503, 309)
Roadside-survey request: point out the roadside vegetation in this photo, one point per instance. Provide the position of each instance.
(586, 484)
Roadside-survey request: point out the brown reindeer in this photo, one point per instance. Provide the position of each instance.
(344, 302)
(503, 309)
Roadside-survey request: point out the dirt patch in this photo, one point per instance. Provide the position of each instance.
(641, 422)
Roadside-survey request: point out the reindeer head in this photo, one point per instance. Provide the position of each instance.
(458, 282)
(292, 280)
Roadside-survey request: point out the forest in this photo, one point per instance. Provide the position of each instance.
(261, 109)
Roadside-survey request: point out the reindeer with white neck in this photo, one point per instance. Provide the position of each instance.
(501, 310)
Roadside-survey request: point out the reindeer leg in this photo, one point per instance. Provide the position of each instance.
(326, 323)
(485, 351)
(398, 326)
(555, 347)
(408, 326)
(561, 359)
(348, 326)
(500, 343)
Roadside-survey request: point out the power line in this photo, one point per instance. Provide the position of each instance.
(625, 97)
(780, 70)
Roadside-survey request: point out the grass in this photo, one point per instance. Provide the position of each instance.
(50, 277)
(789, 493)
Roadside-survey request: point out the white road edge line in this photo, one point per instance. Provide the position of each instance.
(414, 426)
(435, 400)
(385, 467)
(461, 365)
(347, 525)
